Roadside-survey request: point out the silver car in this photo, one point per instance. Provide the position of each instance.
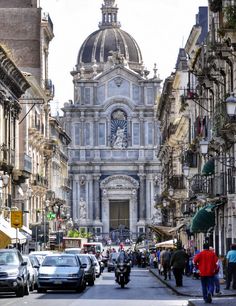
(61, 271)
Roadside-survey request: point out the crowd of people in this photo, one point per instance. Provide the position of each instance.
(203, 265)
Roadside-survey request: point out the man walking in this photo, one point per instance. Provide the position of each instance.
(178, 262)
(231, 267)
(206, 261)
(165, 263)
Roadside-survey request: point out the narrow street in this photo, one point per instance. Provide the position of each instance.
(143, 290)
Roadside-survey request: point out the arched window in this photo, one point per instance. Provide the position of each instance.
(119, 129)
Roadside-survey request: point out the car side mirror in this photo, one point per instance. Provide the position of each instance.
(24, 263)
(84, 266)
(36, 267)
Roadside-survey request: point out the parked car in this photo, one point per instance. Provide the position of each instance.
(90, 273)
(61, 271)
(32, 273)
(40, 255)
(96, 264)
(112, 261)
(13, 272)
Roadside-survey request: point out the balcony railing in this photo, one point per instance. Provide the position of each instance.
(177, 182)
(202, 184)
(26, 163)
(40, 181)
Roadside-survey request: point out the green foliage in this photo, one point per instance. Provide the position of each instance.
(78, 234)
(230, 15)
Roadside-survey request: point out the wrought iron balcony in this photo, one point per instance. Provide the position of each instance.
(202, 184)
(40, 181)
(26, 163)
(177, 182)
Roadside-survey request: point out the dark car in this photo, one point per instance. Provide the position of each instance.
(112, 261)
(13, 272)
(90, 271)
(61, 271)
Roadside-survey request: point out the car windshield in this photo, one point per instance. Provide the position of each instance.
(9, 258)
(59, 261)
(84, 260)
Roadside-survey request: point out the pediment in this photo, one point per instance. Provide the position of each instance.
(119, 182)
(119, 72)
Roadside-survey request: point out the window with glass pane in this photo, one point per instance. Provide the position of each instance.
(87, 134)
(149, 133)
(101, 134)
(77, 134)
(87, 95)
(136, 134)
(150, 96)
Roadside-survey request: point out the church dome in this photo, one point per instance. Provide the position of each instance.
(98, 46)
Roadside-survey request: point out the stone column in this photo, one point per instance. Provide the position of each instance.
(129, 131)
(96, 198)
(142, 197)
(142, 129)
(90, 196)
(95, 131)
(82, 129)
(105, 213)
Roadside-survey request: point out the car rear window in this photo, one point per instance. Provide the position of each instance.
(84, 260)
(9, 258)
(60, 261)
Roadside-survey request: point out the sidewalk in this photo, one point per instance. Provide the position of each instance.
(192, 288)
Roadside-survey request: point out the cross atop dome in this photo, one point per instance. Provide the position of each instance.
(109, 15)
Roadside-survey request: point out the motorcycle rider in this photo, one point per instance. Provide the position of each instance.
(123, 257)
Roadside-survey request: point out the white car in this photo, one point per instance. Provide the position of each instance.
(32, 273)
(96, 264)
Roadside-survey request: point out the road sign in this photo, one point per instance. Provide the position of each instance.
(16, 219)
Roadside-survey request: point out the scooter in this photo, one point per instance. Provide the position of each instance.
(122, 272)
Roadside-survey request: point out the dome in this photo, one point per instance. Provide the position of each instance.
(98, 46)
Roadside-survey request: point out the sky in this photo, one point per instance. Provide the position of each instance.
(160, 27)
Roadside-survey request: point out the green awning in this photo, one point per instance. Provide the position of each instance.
(209, 167)
(204, 219)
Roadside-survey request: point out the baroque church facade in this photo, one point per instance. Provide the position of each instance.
(114, 132)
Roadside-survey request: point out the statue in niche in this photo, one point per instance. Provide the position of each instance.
(82, 209)
(120, 139)
(119, 129)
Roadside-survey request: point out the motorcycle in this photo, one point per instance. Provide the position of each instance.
(122, 272)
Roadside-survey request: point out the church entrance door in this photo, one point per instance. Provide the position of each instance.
(119, 214)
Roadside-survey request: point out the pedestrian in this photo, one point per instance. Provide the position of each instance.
(187, 270)
(231, 267)
(206, 261)
(178, 263)
(216, 279)
(165, 263)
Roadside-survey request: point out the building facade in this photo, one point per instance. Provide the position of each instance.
(114, 132)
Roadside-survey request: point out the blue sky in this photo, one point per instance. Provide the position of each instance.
(160, 28)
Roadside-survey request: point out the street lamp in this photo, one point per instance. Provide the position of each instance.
(186, 170)
(5, 179)
(204, 146)
(171, 191)
(231, 105)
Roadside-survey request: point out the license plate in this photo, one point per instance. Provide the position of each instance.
(57, 282)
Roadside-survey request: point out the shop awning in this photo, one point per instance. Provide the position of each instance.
(161, 231)
(167, 244)
(209, 167)
(177, 228)
(8, 234)
(204, 219)
(26, 232)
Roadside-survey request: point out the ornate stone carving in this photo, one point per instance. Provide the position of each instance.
(119, 182)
